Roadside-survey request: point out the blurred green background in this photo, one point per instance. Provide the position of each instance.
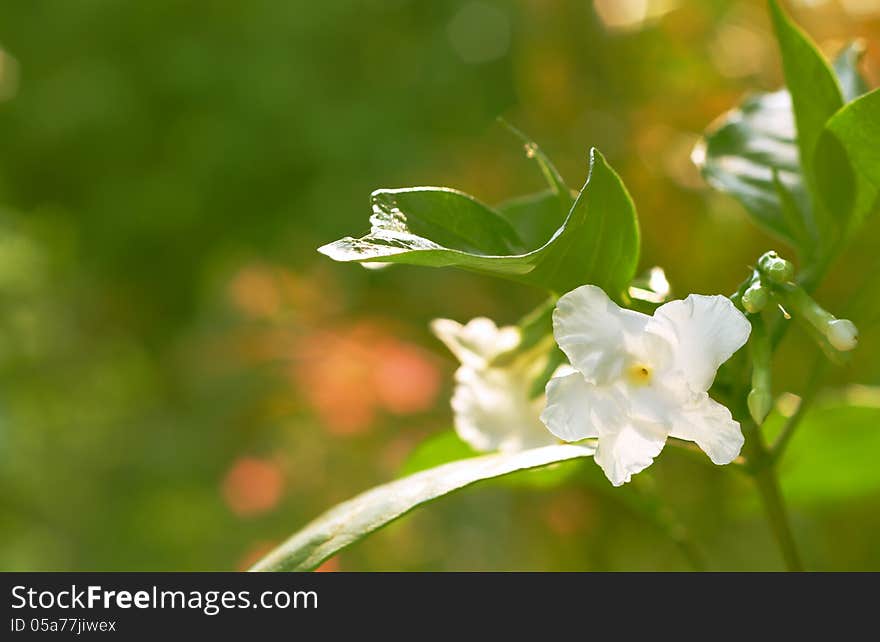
(184, 381)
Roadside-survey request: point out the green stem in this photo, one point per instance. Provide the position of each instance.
(768, 486)
(764, 474)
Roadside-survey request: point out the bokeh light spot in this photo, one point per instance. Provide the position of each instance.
(252, 486)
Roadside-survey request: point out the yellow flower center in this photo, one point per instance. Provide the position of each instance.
(638, 374)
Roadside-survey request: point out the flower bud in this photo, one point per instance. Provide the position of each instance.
(754, 299)
(760, 399)
(776, 268)
(760, 403)
(842, 334)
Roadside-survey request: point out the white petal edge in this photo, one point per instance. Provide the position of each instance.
(704, 331)
(710, 425)
(595, 333)
(478, 341)
(576, 409)
(629, 450)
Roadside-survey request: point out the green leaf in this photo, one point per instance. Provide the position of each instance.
(603, 246)
(598, 242)
(814, 89)
(816, 96)
(848, 161)
(358, 517)
(833, 456)
(751, 153)
(535, 217)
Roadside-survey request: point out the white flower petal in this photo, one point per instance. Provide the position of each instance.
(704, 331)
(658, 402)
(711, 426)
(492, 411)
(628, 450)
(595, 333)
(477, 342)
(577, 409)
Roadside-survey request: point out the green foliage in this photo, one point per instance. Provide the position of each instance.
(534, 216)
(352, 520)
(134, 385)
(848, 160)
(791, 157)
(815, 92)
(597, 242)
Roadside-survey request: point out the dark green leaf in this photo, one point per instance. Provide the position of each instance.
(598, 242)
(358, 517)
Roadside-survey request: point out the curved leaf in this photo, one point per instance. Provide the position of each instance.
(358, 517)
(815, 90)
(848, 161)
(598, 242)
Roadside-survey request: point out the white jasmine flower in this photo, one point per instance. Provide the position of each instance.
(491, 405)
(639, 379)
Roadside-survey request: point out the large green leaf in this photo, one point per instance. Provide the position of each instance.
(598, 242)
(848, 161)
(358, 517)
(751, 152)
